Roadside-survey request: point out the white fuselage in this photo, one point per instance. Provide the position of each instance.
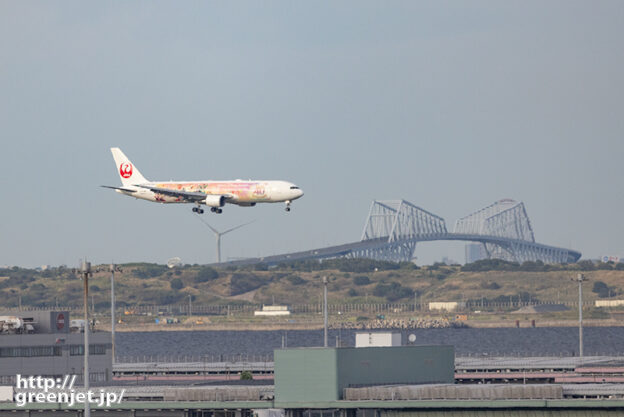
(238, 192)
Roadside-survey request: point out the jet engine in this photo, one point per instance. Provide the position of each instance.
(214, 201)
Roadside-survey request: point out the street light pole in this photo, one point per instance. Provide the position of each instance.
(324, 311)
(580, 278)
(112, 269)
(86, 271)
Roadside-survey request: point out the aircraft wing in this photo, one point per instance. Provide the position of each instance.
(128, 190)
(185, 195)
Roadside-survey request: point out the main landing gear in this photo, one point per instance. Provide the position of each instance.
(200, 210)
(288, 205)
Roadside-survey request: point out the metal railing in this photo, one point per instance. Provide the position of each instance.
(315, 308)
(210, 358)
(242, 358)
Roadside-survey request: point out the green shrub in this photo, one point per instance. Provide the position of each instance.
(295, 280)
(531, 266)
(586, 265)
(341, 264)
(206, 274)
(491, 265)
(602, 289)
(169, 298)
(244, 282)
(442, 274)
(436, 266)
(149, 270)
(604, 266)
(361, 280)
(361, 265)
(490, 286)
(392, 292)
(176, 284)
(246, 376)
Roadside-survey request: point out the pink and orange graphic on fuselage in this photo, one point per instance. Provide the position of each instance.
(239, 191)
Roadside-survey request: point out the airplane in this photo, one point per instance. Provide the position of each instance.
(214, 194)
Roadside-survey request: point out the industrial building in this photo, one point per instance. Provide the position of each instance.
(396, 381)
(322, 374)
(41, 343)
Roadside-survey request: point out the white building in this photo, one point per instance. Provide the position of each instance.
(446, 305)
(377, 339)
(272, 311)
(609, 303)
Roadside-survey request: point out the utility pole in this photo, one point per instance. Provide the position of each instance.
(580, 278)
(324, 311)
(85, 271)
(190, 306)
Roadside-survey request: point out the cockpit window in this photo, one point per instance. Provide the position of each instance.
(294, 187)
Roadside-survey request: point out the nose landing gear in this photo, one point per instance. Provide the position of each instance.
(288, 205)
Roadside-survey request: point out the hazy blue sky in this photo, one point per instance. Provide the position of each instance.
(450, 105)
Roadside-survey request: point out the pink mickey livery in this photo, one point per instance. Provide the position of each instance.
(214, 194)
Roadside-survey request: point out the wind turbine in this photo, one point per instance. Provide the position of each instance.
(219, 234)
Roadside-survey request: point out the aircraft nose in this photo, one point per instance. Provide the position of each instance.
(297, 193)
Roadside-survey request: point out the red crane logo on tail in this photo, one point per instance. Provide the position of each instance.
(125, 170)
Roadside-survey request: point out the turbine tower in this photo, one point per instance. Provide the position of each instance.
(219, 234)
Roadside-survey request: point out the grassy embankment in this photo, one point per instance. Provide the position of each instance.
(140, 285)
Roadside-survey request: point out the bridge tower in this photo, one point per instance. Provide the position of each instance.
(505, 218)
(400, 224)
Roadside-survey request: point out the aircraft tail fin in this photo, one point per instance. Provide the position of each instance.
(128, 173)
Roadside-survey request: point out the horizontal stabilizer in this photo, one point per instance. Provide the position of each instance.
(127, 190)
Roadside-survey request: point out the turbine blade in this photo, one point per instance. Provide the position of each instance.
(206, 223)
(237, 227)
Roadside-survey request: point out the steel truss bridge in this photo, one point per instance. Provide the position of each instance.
(394, 227)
